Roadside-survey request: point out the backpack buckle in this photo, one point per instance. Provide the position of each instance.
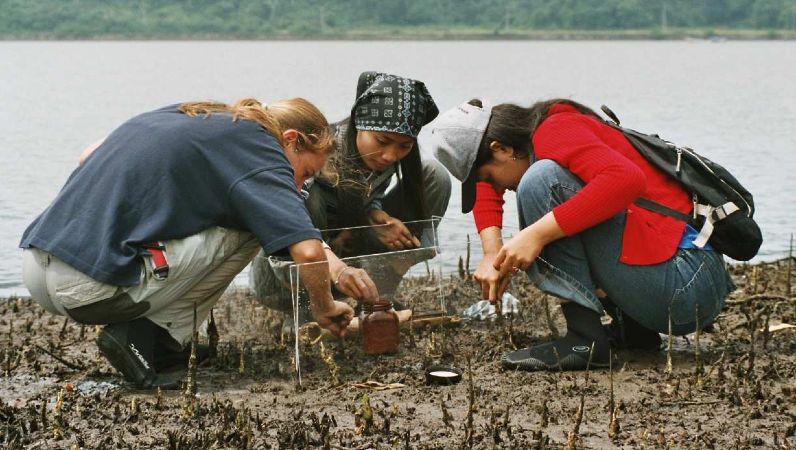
(721, 212)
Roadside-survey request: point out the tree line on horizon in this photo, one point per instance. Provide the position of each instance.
(254, 18)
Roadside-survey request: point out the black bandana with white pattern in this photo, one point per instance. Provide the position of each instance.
(391, 103)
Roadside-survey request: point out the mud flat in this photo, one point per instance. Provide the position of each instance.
(729, 387)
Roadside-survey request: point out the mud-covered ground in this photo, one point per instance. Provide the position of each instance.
(735, 389)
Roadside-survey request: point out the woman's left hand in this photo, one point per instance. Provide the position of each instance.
(392, 232)
(522, 250)
(356, 283)
(518, 253)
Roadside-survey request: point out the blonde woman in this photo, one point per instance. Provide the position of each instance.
(160, 216)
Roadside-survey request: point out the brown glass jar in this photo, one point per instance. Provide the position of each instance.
(380, 332)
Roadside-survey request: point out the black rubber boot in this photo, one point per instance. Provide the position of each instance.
(627, 334)
(130, 349)
(171, 356)
(585, 336)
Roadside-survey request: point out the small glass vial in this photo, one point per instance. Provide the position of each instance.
(380, 332)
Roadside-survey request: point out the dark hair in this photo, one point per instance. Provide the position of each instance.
(514, 126)
(352, 195)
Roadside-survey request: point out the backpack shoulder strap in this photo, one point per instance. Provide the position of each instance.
(641, 201)
(662, 209)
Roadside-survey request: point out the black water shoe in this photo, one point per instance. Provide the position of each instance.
(130, 349)
(585, 346)
(171, 356)
(573, 354)
(627, 334)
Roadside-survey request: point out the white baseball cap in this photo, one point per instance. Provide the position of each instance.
(456, 136)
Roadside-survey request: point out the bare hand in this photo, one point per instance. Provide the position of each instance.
(334, 318)
(392, 232)
(489, 278)
(356, 283)
(518, 253)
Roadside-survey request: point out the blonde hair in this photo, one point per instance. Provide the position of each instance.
(293, 113)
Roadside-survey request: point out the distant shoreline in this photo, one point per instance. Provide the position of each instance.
(435, 35)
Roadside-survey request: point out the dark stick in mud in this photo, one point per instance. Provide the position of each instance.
(588, 363)
(558, 362)
(467, 259)
(446, 416)
(753, 298)
(212, 337)
(242, 358)
(544, 415)
(613, 410)
(469, 431)
(510, 330)
(698, 370)
(670, 343)
(790, 265)
(189, 395)
(43, 415)
(412, 342)
(11, 328)
(71, 365)
(507, 420)
(752, 322)
(158, 399)
(766, 326)
(755, 272)
(63, 328)
(611, 400)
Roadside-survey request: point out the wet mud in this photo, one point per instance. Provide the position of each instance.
(733, 386)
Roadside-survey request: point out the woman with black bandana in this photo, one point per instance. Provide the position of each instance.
(377, 142)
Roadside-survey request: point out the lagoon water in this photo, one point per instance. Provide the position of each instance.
(735, 102)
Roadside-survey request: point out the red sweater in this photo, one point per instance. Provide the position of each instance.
(614, 174)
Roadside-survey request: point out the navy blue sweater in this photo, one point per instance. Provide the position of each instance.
(163, 175)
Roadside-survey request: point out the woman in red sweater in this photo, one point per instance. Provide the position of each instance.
(582, 237)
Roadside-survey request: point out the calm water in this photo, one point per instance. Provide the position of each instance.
(734, 101)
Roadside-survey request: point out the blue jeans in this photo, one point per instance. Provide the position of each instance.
(692, 281)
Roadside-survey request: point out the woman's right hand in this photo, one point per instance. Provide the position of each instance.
(335, 316)
(492, 287)
(356, 283)
(391, 232)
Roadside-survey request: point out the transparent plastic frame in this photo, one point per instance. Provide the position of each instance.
(420, 279)
(371, 266)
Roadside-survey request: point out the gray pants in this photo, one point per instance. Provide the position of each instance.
(201, 267)
(269, 276)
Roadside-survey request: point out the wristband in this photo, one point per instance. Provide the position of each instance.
(341, 274)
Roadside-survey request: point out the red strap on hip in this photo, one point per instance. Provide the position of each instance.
(157, 253)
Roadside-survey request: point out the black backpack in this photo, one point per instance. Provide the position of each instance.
(723, 209)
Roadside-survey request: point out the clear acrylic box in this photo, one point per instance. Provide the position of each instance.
(434, 281)
(387, 270)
